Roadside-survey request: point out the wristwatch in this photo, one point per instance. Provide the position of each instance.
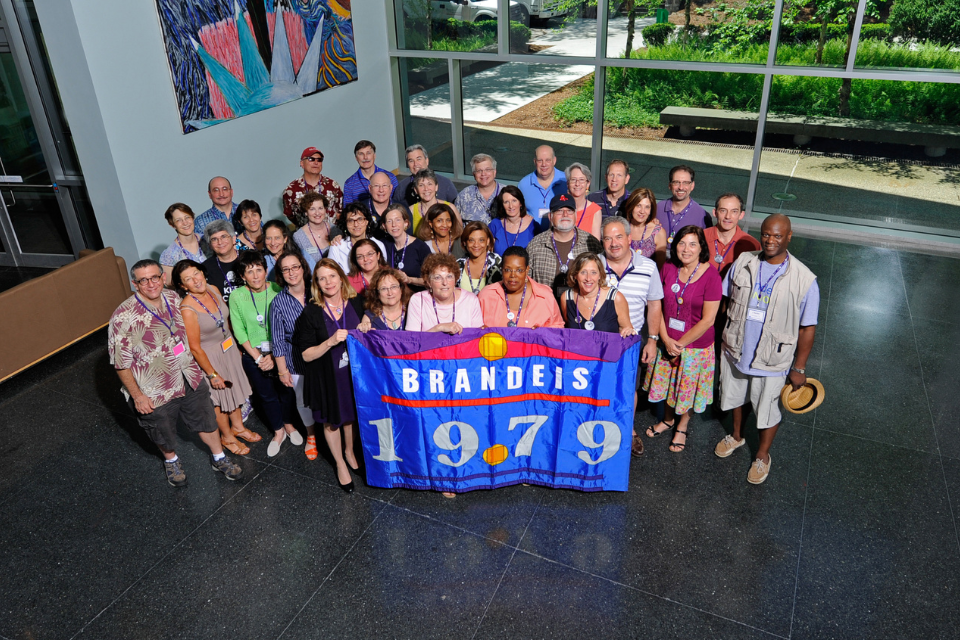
(802, 372)
(653, 337)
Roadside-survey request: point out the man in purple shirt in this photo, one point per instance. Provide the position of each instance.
(678, 211)
(359, 183)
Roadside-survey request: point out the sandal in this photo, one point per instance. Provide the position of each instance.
(248, 435)
(236, 447)
(677, 447)
(636, 450)
(653, 433)
(311, 449)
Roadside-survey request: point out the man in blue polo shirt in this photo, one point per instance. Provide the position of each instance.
(366, 154)
(221, 195)
(540, 187)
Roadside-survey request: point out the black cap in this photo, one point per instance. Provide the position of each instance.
(562, 201)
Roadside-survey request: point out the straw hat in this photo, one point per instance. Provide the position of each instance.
(806, 398)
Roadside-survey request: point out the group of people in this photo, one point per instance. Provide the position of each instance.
(238, 308)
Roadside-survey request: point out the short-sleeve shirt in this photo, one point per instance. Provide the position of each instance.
(423, 316)
(536, 199)
(176, 252)
(137, 340)
(225, 276)
(809, 309)
(211, 215)
(728, 253)
(357, 184)
(327, 187)
(708, 288)
(545, 264)
(693, 214)
(600, 197)
(639, 283)
(473, 206)
(405, 194)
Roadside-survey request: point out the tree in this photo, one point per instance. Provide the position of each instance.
(422, 10)
(932, 20)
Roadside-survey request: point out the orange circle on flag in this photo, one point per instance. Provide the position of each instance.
(493, 346)
(496, 454)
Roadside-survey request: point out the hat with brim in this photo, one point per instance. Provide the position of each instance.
(806, 398)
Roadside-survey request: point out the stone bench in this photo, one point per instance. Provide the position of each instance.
(936, 139)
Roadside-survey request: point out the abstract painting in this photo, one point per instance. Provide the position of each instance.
(231, 58)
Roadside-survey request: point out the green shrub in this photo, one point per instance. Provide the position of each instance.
(879, 31)
(656, 34)
(936, 21)
(807, 32)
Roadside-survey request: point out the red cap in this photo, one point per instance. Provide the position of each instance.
(309, 151)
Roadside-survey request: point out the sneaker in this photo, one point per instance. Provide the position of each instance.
(759, 471)
(728, 445)
(175, 475)
(227, 467)
(245, 410)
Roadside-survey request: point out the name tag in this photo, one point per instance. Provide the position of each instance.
(756, 315)
(544, 212)
(178, 348)
(265, 347)
(344, 360)
(677, 324)
(226, 344)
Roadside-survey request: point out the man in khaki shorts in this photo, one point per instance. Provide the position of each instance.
(772, 306)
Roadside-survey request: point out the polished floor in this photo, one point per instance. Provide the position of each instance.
(854, 535)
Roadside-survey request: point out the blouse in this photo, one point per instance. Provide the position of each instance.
(423, 316)
(709, 288)
(491, 273)
(503, 240)
(245, 306)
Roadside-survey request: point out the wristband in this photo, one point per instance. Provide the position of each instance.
(259, 358)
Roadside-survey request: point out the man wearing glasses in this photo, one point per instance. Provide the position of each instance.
(552, 252)
(476, 201)
(679, 210)
(221, 195)
(223, 270)
(541, 186)
(311, 161)
(147, 343)
(359, 183)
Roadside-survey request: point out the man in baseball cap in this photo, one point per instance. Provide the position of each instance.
(311, 161)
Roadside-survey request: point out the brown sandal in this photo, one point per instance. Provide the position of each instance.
(636, 450)
(236, 447)
(248, 435)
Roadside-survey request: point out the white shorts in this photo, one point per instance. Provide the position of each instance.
(306, 414)
(763, 392)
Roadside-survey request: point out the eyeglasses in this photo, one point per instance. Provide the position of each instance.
(292, 269)
(565, 212)
(390, 289)
(151, 280)
(357, 220)
(366, 256)
(514, 272)
(442, 278)
(578, 181)
(482, 171)
(678, 183)
(314, 159)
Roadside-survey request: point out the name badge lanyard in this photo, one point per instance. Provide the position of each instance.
(511, 243)
(406, 240)
(514, 318)
(260, 317)
(564, 266)
(675, 287)
(226, 278)
(637, 245)
(250, 240)
(583, 213)
(674, 221)
(178, 348)
(716, 247)
(315, 241)
(218, 320)
(483, 274)
(588, 325)
(619, 278)
(771, 278)
(437, 311)
(184, 249)
(344, 359)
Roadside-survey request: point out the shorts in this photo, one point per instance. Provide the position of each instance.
(763, 392)
(195, 407)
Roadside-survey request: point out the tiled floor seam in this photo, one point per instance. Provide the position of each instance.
(933, 424)
(166, 555)
(332, 571)
(506, 568)
(806, 486)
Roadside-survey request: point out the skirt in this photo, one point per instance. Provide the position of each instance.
(686, 383)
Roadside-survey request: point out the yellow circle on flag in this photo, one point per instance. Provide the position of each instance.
(496, 454)
(493, 346)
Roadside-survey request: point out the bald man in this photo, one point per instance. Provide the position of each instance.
(772, 305)
(541, 186)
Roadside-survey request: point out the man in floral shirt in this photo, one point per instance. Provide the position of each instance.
(311, 161)
(147, 343)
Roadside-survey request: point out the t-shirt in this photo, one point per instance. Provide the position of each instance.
(708, 288)
(809, 309)
(742, 241)
(225, 276)
(639, 283)
(693, 214)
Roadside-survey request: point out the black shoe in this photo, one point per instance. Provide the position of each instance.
(347, 488)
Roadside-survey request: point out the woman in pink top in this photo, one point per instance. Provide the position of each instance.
(442, 307)
(683, 369)
(588, 213)
(518, 301)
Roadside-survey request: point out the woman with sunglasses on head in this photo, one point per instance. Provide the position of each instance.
(314, 237)
(319, 340)
(358, 222)
(647, 235)
(215, 349)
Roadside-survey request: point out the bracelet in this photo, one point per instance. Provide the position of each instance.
(654, 338)
(283, 373)
(211, 376)
(259, 358)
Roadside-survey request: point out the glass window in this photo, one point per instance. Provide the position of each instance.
(451, 25)
(888, 162)
(718, 32)
(36, 218)
(553, 27)
(655, 120)
(919, 34)
(508, 113)
(425, 98)
(816, 34)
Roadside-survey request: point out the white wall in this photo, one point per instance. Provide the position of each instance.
(112, 72)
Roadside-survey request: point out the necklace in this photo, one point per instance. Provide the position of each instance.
(393, 324)
(588, 325)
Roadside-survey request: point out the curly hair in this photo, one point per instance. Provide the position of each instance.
(372, 294)
(437, 261)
